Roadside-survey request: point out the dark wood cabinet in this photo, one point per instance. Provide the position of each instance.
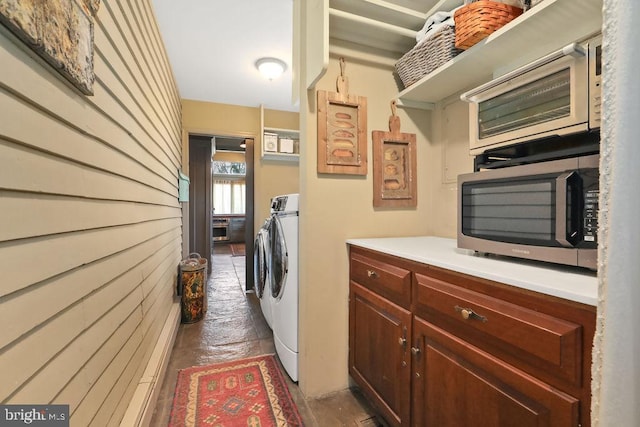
(379, 359)
(433, 347)
(457, 384)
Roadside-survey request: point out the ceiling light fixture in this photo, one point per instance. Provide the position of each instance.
(271, 68)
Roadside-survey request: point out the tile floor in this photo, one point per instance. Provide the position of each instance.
(233, 328)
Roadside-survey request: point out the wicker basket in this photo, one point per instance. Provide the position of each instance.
(427, 56)
(477, 20)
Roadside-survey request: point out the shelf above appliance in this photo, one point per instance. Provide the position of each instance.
(385, 25)
(545, 28)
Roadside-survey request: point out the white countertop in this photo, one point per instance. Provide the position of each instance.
(556, 280)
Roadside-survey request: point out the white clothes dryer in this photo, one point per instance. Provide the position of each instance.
(261, 271)
(283, 271)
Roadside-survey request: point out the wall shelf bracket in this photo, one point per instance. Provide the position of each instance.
(407, 103)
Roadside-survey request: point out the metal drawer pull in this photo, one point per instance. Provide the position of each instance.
(372, 274)
(467, 314)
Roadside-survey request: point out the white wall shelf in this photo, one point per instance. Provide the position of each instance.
(386, 25)
(293, 134)
(391, 25)
(547, 27)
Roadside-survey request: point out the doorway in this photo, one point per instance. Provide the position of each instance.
(221, 206)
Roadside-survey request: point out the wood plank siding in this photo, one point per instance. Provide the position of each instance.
(90, 224)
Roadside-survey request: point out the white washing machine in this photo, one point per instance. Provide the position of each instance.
(261, 271)
(283, 272)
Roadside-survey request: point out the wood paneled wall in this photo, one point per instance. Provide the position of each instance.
(90, 224)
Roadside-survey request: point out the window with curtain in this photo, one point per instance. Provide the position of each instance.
(229, 187)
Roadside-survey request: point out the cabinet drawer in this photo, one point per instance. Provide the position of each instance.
(392, 282)
(515, 332)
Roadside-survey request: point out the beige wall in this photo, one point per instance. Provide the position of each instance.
(281, 119)
(91, 227)
(274, 177)
(448, 153)
(271, 177)
(335, 208)
(228, 156)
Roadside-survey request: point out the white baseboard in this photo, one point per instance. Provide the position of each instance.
(143, 402)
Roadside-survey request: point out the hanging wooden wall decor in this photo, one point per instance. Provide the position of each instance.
(394, 166)
(342, 130)
(60, 32)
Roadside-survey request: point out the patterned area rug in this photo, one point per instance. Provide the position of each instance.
(248, 392)
(237, 249)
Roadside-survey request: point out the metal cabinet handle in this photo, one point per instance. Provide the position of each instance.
(403, 339)
(415, 351)
(372, 274)
(468, 313)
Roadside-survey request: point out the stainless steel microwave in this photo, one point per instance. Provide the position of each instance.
(558, 94)
(545, 211)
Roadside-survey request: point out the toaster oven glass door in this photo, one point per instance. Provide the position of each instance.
(546, 98)
(537, 102)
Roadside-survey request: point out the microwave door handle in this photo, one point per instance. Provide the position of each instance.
(563, 234)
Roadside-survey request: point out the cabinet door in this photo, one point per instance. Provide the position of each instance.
(457, 384)
(379, 355)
